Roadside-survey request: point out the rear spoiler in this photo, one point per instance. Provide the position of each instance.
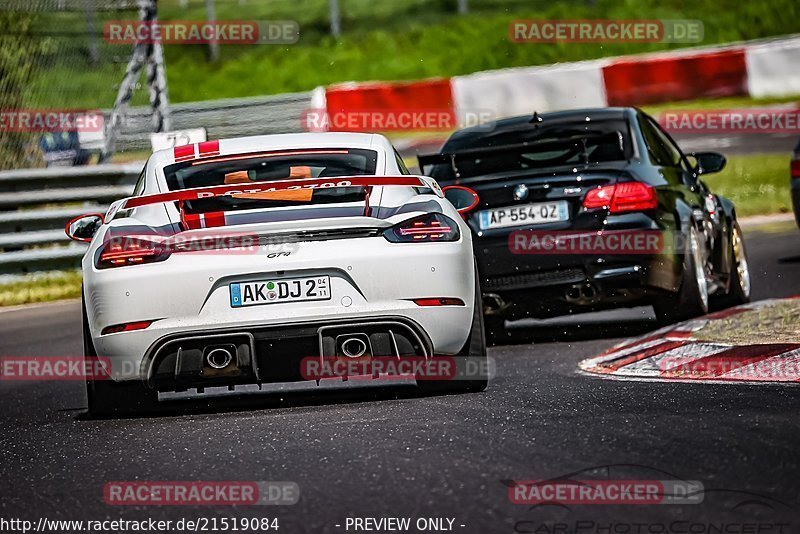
(199, 193)
(302, 185)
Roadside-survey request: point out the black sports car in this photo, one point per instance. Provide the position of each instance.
(584, 210)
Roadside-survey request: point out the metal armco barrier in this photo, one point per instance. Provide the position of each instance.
(36, 204)
(230, 117)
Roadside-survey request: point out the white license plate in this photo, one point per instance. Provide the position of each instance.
(284, 290)
(541, 213)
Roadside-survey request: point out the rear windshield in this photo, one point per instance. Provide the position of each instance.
(562, 144)
(271, 166)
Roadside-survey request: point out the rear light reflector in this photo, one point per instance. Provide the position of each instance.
(439, 301)
(622, 197)
(426, 228)
(124, 251)
(796, 168)
(126, 327)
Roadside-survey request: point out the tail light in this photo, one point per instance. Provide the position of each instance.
(796, 168)
(622, 197)
(124, 251)
(426, 228)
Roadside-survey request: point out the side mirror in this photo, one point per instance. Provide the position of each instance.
(708, 162)
(83, 227)
(463, 198)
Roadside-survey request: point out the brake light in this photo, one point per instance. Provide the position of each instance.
(125, 327)
(424, 229)
(796, 168)
(124, 251)
(439, 301)
(598, 198)
(622, 197)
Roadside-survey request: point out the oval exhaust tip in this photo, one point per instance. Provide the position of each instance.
(354, 347)
(219, 358)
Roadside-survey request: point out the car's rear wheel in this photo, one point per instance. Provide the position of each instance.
(691, 300)
(495, 326)
(108, 398)
(474, 349)
(739, 284)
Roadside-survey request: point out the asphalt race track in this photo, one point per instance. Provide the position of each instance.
(367, 454)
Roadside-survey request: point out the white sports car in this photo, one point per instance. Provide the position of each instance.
(237, 260)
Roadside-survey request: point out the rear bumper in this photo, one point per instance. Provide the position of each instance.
(188, 295)
(594, 285)
(545, 282)
(259, 355)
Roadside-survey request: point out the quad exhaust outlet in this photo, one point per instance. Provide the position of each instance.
(581, 293)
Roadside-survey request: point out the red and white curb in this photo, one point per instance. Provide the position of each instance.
(672, 353)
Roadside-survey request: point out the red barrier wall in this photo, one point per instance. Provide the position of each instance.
(391, 96)
(653, 80)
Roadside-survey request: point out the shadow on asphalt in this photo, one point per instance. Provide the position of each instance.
(790, 259)
(322, 399)
(521, 335)
(610, 324)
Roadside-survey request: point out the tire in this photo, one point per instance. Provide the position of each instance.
(691, 300)
(495, 326)
(474, 348)
(109, 398)
(739, 285)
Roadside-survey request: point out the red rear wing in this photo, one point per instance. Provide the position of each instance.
(185, 195)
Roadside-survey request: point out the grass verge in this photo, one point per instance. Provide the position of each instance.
(776, 323)
(381, 40)
(758, 184)
(41, 288)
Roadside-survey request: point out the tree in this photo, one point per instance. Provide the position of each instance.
(20, 53)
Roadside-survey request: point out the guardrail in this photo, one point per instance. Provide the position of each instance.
(36, 204)
(230, 117)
